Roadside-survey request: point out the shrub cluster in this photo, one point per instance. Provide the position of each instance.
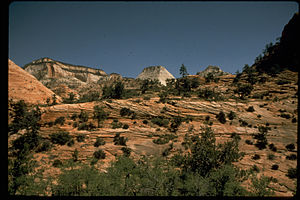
(221, 117)
(60, 137)
(118, 140)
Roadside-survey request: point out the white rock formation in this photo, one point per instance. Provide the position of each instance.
(156, 73)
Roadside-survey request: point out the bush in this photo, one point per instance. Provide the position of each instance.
(145, 121)
(275, 167)
(83, 116)
(86, 126)
(256, 157)
(160, 121)
(261, 137)
(100, 154)
(290, 147)
(45, 146)
(59, 120)
(175, 123)
(126, 151)
(255, 168)
(221, 117)
(116, 124)
(160, 141)
(57, 163)
(292, 173)
(60, 137)
(282, 82)
(249, 142)
(294, 120)
(99, 114)
(286, 116)
(74, 116)
(243, 123)
(80, 138)
(271, 156)
(120, 140)
(208, 94)
(272, 147)
(71, 142)
(99, 141)
(250, 109)
(125, 126)
(231, 115)
(291, 157)
(243, 90)
(126, 112)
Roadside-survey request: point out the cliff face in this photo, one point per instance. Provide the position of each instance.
(24, 86)
(156, 73)
(212, 69)
(63, 78)
(48, 68)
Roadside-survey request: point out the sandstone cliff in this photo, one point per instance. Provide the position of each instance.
(63, 78)
(24, 86)
(156, 73)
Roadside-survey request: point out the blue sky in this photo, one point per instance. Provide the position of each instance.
(125, 37)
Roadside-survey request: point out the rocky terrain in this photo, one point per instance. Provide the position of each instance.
(272, 103)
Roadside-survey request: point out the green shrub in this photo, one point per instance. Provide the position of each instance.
(120, 140)
(271, 156)
(99, 141)
(71, 142)
(160, 121)
(126, 112)
(74, 116)
(60, 120)
(243, 90)
(160, 141)
(256, 157)
(126, 151)
(125, 126)
(221, 117)
(83, 116)
(250, 109)
(89, 97)
(291, 157)
(86, 126)
(145, 121)
(282, 82)
(292, 173)
(272, 147)
(290, 147)
(249, 142)
(57, 163)
(243, 123)
(116, 124)
(261, 137)
(275, 167)
(175, 123)
(294, 120)
(60, 137)
(255, 168)
(286, 116)
(80, 138)
(231, 115)
(99, 114)
(100, 154)
(45, 146)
